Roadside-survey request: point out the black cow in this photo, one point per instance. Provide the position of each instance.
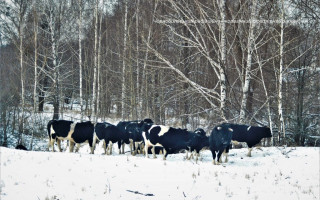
(219, 140)
(198, 142)
(74, 132)
(133, 130)
(21, 147)
(171, 139)
(110, 133)
(58, 130)
(252, 135)
(83, 132)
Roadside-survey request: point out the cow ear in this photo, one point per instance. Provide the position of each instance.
(219, 128)
(230, 129)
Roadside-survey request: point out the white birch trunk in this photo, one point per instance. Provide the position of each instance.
(223, 52)
(80, 58)
(35, 77)
(138, 108)
(281, 69)
(123, 90)
(55, 67)
(93, 103)
(21, 76)
(246, 86)
(99, 67)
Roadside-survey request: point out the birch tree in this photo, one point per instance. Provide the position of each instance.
(95, 64)
(80, 5)
(123, 83)
(35, 83)
(247, 78)
(200, 35)
(281, 123)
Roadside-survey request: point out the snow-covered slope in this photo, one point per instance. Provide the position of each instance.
(272, 173)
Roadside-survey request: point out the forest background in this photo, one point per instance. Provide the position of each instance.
(188, 64)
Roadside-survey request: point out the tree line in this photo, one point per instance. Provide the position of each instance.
(200, 62)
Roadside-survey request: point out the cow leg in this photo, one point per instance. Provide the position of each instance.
(197, 155)
(119, 147)
(165, 153)
(214, 156)
(108, 151)
(110, 146)
(249, 151)
(77, 148)
(153, 152)
(225, 154)
(94, 142)
(123, 148)
(91, 146)
(131, 146)
(146, 150)
(51, 144)
(219, 156)
(142, 148)
(71, 146)
(192, 155)
(59, 145)
(139, 147)
(105, 147)
(136, 148)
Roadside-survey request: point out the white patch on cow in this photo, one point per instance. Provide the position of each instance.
(72, 126)
(149, 144)
(164, 129)
(219, 128)
(248, 128)
(216, 152)
(230, 129)
(94, 141)
(51, 141)
(51, 130)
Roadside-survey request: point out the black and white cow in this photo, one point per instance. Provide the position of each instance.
(76, 133)
(133, 130)
(252, 135)
(110, 133)
(219, 140)
(58, 130)
(171, 139)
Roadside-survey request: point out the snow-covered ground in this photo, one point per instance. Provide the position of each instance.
(273, 173)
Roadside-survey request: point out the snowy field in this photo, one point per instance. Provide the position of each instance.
(272, 173)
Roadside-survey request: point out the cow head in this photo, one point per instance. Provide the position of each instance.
(224, 133)
(200, 131)
(267, 132)
(148, 121)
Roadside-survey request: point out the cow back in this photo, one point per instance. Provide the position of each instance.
(60, 127)
(83, 131)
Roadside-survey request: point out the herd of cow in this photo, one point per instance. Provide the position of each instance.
(141, 135)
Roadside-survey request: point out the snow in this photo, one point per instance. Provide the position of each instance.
(272, 173)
